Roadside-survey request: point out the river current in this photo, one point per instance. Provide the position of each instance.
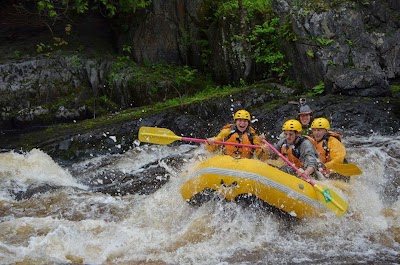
(72, 223)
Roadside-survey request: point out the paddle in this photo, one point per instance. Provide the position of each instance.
(165, 136)
(329, 198)
(347, 170)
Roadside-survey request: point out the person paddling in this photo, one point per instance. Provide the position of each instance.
(327, 143)
(238, 132)
(298, 149)
(305, 117)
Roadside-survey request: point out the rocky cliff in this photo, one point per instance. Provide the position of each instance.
(351, 46)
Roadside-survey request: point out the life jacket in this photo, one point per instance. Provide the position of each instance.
(292, 152)
(237, 136)
(322, 146)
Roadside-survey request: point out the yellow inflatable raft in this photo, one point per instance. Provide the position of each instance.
(234, 178)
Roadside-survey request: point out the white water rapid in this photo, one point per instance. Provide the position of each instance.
(71, 224)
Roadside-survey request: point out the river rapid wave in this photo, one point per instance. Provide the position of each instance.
(105, 211)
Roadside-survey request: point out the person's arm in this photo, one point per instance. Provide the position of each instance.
(210, 146)
(309, 156)
(260, 153)
(277, 147)
(308, 171)
(337, 152)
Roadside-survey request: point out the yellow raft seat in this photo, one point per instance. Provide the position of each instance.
(234, 178)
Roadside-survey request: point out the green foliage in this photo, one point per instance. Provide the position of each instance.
(59, 42)
(47, 48)
(170, 103)
(47, 8)
(122, 65)
(323, 42)
(76, 62)
(262, 38)
(81, 6)
(18, 54)
(395, 88)
(206, 52)
(230, 8)
(257, 5)
(154, 82)
(186, 77)
(182, 80)
(314, 5)
(265, 41)
(57, 9)
(310, 53)
(215, 91)
(317, 90)
(227, 8)
(41, 48)
(350, 42)
(207, 93)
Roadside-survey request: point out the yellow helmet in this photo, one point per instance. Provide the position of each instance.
(292, 125)
(320, 123)
(242, 114)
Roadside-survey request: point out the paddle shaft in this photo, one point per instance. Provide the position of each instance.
(288, 162)
(220, 143)
(303, 175)
(188, 139)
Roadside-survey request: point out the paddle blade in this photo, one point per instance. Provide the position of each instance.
(157, 135)
(346, 169)
(331, 200)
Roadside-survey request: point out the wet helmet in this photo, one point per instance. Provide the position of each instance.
(242, 114)
(320, 123)
(292, 125)
(305, 110)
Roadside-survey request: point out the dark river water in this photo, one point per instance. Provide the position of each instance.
(71, 223)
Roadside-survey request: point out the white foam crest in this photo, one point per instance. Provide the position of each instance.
(202, 235)
(366, 201)
(34, 167)
(164, 223)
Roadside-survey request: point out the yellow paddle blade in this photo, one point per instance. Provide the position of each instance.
(331, 200)
(346, 169)
(157, 135)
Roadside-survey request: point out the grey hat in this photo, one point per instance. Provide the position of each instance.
(305, 110)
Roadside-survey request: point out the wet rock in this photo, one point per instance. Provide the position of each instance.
(150, 178)
(355, 82)
(23, 194)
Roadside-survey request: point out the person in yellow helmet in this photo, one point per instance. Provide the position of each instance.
(298, 149)
(327, 143)
(239, 132)
(305, 117)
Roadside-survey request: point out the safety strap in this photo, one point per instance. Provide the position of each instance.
(248, 131)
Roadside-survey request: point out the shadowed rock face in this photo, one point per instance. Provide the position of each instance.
(353, 46)
(355, 82)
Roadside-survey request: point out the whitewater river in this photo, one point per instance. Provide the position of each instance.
(72, 223)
